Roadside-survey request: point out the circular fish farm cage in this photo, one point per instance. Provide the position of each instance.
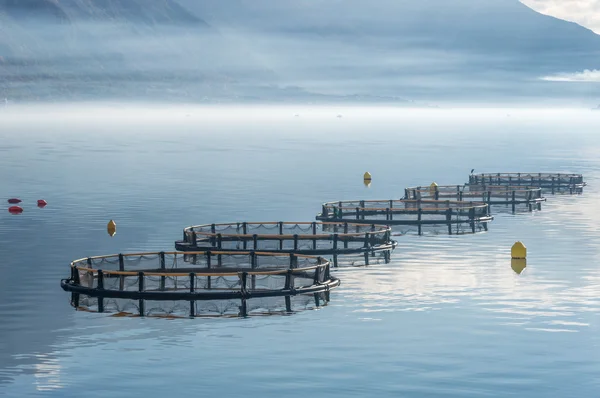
(313, 238)
(459, 217)
(513, 196)
(368, 242)
(163, 284)
(552, 182)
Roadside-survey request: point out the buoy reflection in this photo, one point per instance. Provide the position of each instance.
(367, 179)
(518, 264)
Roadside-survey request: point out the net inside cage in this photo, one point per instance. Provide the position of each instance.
(412, 213)
(481, 193)
(198, 283)
(501, 197)
(289, 237)
(227, 261)
(550, 182)
(208, 271)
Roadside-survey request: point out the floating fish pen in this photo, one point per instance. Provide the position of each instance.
(312, 238)
(553, 182)
(514, 196)
(463, 216)
(151, 279)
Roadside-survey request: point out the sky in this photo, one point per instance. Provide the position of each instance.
(582, 12)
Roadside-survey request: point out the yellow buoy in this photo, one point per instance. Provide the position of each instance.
(518, 264)
(111, 228)
(433, 188)
(518, 250)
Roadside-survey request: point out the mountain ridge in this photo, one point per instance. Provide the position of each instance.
(235, 49)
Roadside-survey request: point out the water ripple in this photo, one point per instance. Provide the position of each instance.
(447, 316)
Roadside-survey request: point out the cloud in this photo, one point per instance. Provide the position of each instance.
(585, 76)
(583, 12)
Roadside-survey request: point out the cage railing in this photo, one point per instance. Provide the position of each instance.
(407, 206)
(575, 177)
(308, 237)
(241, 267)
(490, 194)
(556, 182)
(409, 212)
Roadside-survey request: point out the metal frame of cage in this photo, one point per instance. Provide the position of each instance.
(508, 195)
(554, 182)
(412, 212)
(181, 283)
(317, 238)
(337, 259)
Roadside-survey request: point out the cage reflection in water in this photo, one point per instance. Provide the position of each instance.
(219, 275)
(263, 306)
(360, 260)
(456, 217)
(498, 197)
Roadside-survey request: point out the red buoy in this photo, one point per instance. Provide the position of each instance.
(42, 203)
(14, 200)
(15, 210)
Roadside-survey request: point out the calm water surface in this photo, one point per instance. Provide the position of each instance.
(447, 317)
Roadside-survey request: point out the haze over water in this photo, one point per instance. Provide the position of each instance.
(446, 317)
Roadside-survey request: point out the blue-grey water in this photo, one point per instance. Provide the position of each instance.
(446, 317)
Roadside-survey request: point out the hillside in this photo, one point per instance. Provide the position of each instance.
(272, 50)
(84, 49)
(66, 11)
(491, 26)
